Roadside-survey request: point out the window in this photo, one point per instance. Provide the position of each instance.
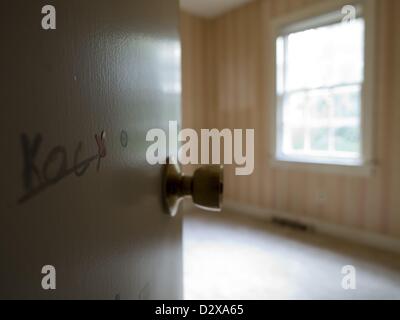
(321, 75)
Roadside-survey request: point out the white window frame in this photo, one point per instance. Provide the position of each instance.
(303, 20)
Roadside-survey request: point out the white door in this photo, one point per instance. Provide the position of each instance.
(77, 193)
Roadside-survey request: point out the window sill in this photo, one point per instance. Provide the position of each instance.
(363, 170)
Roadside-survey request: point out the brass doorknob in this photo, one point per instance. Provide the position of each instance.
(205, 187)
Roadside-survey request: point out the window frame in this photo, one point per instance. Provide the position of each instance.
(315, 16)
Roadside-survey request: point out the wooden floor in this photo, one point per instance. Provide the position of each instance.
(228, 256)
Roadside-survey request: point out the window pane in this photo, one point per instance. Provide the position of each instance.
(325, 56)
(319, 139)
(347, 102)
(280, 62)
(319, 104)
(298, 139)
(294, 108)
(347, 139)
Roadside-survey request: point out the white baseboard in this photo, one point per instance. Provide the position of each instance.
(351, 234)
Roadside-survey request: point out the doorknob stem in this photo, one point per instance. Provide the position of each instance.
(205, 187)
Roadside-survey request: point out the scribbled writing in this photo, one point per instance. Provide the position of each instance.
(37, 178)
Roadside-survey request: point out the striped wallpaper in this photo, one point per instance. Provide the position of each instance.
(225, 85)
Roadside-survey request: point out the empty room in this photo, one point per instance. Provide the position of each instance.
(318, 82)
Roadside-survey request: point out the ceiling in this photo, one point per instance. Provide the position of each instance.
(210, 8)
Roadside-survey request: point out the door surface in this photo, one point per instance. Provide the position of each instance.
(72, 196)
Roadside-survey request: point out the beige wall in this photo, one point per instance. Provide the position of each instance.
(225, 85)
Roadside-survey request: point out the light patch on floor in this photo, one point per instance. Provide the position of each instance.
(227, 256)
